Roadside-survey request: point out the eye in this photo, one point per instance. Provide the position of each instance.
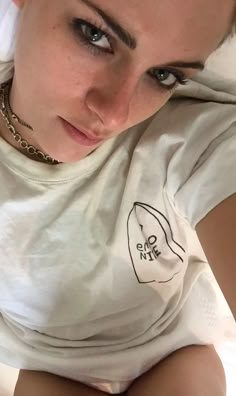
(167, 78)
(92, 36)
(99, 41)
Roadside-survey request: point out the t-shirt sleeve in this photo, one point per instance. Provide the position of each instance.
(202, 173)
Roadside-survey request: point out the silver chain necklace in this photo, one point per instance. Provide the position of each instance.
(6, 112)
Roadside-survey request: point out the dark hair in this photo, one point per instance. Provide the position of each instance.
(232, 29)
(233, 24)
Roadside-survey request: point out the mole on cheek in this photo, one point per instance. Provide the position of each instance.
(55, 26)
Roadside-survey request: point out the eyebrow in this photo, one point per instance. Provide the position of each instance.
(188, 65)
(131, 41)
(123, 34)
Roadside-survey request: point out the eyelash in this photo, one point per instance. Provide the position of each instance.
(77, 25)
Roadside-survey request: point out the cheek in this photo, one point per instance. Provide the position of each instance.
(147, 102)
(49, 66)
(56, 73)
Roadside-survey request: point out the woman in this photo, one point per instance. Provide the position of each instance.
(109, 200)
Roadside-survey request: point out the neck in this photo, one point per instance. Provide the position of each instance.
(8, 119)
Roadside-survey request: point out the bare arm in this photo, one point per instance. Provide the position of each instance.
(217, 234)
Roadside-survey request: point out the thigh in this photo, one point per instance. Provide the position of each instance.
(40, 383)
(193, 370)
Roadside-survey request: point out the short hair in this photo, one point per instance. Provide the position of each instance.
(233, 24)
(232, 29)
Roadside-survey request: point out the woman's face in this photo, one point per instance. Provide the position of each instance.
(64, 69)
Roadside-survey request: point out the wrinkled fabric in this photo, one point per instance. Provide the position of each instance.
(102, 273)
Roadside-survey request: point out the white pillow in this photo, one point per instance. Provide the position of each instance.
(223, 61)
(8, 24)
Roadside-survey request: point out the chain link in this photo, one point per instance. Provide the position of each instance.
(9, 109)
(5, 107)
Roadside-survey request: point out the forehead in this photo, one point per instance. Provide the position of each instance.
(174, 24)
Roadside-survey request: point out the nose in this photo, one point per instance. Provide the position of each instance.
(110, 100)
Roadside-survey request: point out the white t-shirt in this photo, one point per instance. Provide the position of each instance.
(101, 271)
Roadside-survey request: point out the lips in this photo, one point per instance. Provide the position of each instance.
(80, 135)
(89, 135)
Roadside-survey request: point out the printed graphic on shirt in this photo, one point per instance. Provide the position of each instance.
(155, 255)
